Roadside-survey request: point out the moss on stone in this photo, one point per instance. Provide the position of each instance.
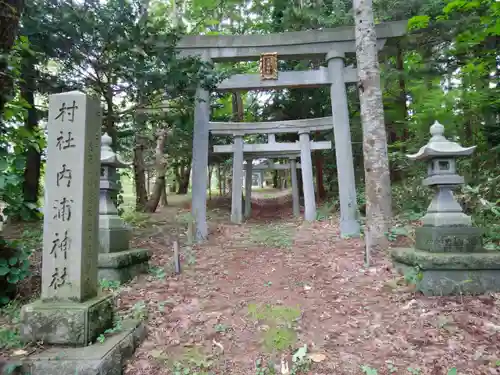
(446, 261)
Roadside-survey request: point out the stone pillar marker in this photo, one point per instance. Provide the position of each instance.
(349, 225)
(70, 310)
(295, 187)
(248, 188)
(236, 203)
(307, 176)
(117, 262)
(448, 256)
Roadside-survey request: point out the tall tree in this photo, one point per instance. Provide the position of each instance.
(10, 13)
(376, 161)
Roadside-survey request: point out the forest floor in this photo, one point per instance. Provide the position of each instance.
(262, 290)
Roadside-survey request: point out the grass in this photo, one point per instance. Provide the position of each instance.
(275, 236)
(278, 332)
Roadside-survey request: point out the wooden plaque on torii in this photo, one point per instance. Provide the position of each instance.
(269, 66)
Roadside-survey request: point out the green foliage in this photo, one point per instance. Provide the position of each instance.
(110, 285)
(273, 236)
(262, 368)
(13, 268)
(413, 275)
(117, 327)
(279, 334)
(9, 333)
(158, 272)
(368, 370)
(135, 219)
(279, 338)
(14, 139)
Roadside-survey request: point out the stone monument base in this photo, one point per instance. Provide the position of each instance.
(66, 322)
(123, 266)
(449, 239)
(106, 358)
(442, 274)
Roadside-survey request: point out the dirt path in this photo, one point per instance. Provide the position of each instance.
(275, 283)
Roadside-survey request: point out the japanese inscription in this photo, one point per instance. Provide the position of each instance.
(70, 251)
(69, 111)
(62, 207)
(58, 278)
(269, 66)
(61, 245)
(64, 175)
(65, 141)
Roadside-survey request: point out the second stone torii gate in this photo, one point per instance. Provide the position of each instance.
(331, 45)
(292, 166)
(273, 149)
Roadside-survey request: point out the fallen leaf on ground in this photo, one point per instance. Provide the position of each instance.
(219, 345)
(317, 357)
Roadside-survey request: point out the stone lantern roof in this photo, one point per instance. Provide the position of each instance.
(108, 156)
(439, 146)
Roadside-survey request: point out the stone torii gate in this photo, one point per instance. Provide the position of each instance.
(292, 165)
(331, 45)
(273, 149)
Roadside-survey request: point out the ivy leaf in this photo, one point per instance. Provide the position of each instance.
(452, 371)
(300, 354)
(13, 261)
(12, 278)
(4, 270)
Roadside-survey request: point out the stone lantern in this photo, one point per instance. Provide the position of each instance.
(448, 256)
(114, 233)
(440, 155)
(117, 262)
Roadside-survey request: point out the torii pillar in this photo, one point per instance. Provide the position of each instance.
(349, 225)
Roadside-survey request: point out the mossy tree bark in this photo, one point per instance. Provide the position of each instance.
(376, 161)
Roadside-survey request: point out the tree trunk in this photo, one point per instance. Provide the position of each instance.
(141, 195)
(185, 171)
(210, 172)
(219, 179)
(10, 13)
(164, 199)
(275, 179)
(237, 105)
(376, 162)
(31, 183)
(161, 170)
(109, 120)
(224, 181)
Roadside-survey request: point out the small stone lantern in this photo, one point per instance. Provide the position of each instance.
(448, 257)
(441, 154)
(110, 162)
(114, 233)
(117, 262)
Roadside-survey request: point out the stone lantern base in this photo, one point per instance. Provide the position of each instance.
(441, 273)
(123, 266)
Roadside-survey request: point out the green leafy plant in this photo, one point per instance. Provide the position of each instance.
(158, 272)
(262, 368)
(281, 334)
(301, 363)
(117, 327)
(112, 285)
(368, 370)
(13, 269)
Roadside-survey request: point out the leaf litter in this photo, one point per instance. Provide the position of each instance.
(349, 317)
